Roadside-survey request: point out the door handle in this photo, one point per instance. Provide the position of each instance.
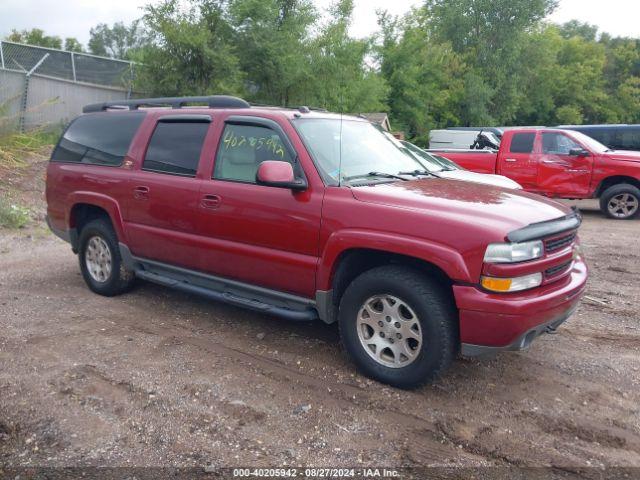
(211, 201)
(510, 160)
(141, 193)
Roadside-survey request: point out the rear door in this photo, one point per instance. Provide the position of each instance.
(517, 161)
(561, 174)
(163, 192)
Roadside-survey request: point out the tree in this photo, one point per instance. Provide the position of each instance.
(341, 79)
(117, 41)
(273, 45)
(424, 77)
(35, 36)
(189, 52)
(72, 45)
(490, 35)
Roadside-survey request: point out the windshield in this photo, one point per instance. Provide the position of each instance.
(433, 163)
(350, 148)
(590, 143)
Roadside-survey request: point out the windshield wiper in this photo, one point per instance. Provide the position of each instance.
(415, 173)
(376, 174)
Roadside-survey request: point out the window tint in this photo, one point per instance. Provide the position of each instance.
(557, 143)
(175, 148)
(522, 143)
(101, 139)
(242, 149)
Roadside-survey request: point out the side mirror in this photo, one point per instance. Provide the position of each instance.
(579, 152)
(275, 173)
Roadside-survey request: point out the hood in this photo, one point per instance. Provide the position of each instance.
(485, 178)
(497, 209)
(624, 155)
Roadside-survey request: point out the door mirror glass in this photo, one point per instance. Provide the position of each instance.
(276, 173)
(578, 152)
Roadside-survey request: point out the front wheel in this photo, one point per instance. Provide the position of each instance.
(398, 326)
(621, 202)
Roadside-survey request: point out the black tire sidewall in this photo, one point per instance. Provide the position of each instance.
(436, 343)
(100, 228)
(617, 190)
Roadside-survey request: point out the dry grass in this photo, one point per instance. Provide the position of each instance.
(14, 147)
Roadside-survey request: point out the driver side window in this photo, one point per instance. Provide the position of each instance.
(243, 148)
(557, 143)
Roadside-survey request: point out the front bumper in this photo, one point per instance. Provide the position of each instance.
(491, 322)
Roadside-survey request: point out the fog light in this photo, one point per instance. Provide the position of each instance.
(516, 284)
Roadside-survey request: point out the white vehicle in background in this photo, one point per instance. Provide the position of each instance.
(445, 168)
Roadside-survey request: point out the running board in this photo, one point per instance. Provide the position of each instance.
(220, 289)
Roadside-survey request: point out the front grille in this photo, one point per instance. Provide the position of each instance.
(550, 272)
(559, 243)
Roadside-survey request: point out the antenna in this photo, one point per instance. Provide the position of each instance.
(340, 151)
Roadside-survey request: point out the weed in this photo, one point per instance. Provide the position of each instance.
(13, 216)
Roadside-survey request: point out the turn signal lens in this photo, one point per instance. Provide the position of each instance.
(511, 284)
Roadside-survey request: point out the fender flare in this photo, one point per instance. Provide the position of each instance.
(447, 259)
(107, 203)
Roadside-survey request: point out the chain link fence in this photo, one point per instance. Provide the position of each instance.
(42, 86)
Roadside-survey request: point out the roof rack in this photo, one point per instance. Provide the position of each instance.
(212, 101)
(301, 108)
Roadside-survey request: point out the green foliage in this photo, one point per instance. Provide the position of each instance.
(13, 216)
(73, 45)
(37, 37)
(117, 41)
(190, 52)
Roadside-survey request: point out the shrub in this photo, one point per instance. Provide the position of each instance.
(13, 216)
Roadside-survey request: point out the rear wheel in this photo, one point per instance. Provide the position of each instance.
(398, 326)
(621, 202)
(100, 260)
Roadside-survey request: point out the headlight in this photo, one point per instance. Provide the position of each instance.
(511, 284)
(513, 252)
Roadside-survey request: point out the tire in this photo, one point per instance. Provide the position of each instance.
(621, 202)
(424, 310)
(99, 248)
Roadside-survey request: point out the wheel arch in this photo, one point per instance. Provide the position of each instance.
(89, 206)
(340, 266)
(615, 180)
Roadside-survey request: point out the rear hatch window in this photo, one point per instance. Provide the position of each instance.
(100, 139)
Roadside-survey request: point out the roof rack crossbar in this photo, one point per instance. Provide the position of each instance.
(212, 101)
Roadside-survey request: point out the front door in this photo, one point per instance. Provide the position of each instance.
(559, 173)
(262, 235)
(518, 162)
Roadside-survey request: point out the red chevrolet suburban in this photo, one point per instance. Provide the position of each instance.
(311, 215)
(562, 164)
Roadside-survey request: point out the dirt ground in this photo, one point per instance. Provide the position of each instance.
(161, 378)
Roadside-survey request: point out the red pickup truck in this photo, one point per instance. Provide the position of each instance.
(562, 164)
(310, 215)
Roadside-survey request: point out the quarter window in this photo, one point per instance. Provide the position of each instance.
(100, 139)
(175, 148)
(243, 147)
(522, 143)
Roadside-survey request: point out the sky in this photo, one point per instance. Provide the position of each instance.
(74, 18)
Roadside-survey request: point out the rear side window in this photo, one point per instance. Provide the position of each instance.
(522, 143)
(101, 139)
(175, 148)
